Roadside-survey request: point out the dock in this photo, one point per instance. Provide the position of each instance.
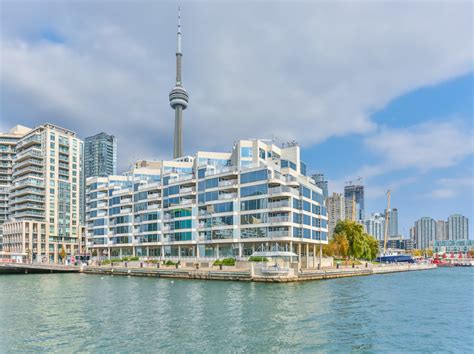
(24, 268)
(251, 275)
(227, 273)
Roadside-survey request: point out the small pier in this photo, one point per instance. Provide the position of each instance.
(23, 268)
(236, 274)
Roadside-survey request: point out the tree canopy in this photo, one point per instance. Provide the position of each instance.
(350, 240)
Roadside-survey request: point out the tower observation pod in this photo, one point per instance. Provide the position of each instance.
(178, 98)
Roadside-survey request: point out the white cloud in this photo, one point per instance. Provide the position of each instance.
(305, 70)
(424, 146)
(448, 188)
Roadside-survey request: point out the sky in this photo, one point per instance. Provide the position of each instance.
(377, 90)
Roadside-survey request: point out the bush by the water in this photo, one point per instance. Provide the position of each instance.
(171, 263)
(225, 261)
(258, 259)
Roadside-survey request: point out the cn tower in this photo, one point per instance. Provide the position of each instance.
(178, 98)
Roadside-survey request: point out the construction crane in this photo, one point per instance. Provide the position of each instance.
(386, 223)
(351, 183)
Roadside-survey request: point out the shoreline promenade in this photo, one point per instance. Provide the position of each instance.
(249, 272)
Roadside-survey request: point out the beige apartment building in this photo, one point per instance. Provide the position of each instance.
(44, 199)
(336, 207)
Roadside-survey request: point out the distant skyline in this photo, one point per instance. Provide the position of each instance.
(378, 90)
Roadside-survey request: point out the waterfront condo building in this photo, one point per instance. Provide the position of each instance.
(7, 152)
(458, 227)
(355, 192)
(336, 208)
(424, 232)
(209, 205)
(100, 155)
(322, 183)
(100, 160)
(45, 195)
(375, 226)
(392, 222)
(441, 230)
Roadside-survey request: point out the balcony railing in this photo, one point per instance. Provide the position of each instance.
(278, 219)
(278, 205)
(228, 183)
(281, 233)
(227, 196)
(279, 190)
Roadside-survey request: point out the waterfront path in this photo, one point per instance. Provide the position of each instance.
(237, 274)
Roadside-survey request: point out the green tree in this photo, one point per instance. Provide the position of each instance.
(63, 254)
(360, 244)
(337, 246)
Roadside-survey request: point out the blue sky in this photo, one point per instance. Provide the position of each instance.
(452, 101)
(381, 90)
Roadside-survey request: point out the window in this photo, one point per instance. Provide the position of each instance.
(223, 207)
(253, 176)
(245, 151)
(259, 189)
(297, 218)
(201, 173)
(306, 233)
(210, 196)
(211, 183)
(303, 168)
(253, 204)
(306, 206)
(261, 153)
(297, 232)
(253, 219)
(306, 192)
(306, 219)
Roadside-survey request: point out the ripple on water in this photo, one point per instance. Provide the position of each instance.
(417, 311)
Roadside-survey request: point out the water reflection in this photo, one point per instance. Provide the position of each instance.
(70, 312)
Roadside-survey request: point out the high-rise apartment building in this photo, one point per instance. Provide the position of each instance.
(458, 227)
(375, 226)
(322, 183)
(45, 195)
(336, 208)
(424, 232)
(392, 222)
(100, 155)
(208, 205)
(441, 230)
(356, 192)
(7, 152)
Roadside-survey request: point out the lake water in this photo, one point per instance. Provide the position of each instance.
(404, 312)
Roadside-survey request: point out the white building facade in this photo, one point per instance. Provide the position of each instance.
(209, 205)
(375, 226)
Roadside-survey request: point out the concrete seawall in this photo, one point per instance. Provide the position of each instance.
(247, 275)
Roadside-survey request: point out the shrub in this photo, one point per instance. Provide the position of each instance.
(170, 263)
(152, 261)
(258, 259)
(225, 261)
(107, 261)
